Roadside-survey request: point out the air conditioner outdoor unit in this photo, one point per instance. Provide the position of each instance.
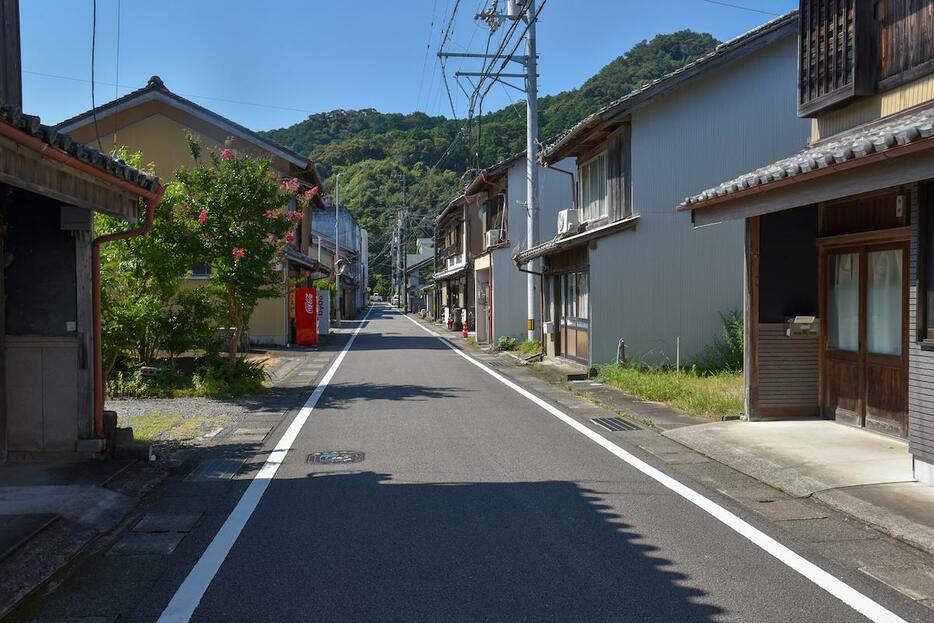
(493, 237)
(568, 221)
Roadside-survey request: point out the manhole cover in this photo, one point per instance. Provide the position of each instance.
(614, 424)
(496, 364)
(338, 457)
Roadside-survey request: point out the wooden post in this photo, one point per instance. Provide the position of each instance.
(751, 319)
(5, 200)
(11, 80)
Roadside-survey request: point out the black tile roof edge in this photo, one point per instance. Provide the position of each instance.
(875, 137)
(721, 49)
(33, 126)
(156, 84)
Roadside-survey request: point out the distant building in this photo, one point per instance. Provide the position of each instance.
(354, 249)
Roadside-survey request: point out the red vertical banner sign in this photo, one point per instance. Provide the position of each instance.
(306, 316)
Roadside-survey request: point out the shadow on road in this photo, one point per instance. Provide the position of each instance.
(344, 395)
(368, 548)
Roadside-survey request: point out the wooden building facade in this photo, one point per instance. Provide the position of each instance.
(839, 251)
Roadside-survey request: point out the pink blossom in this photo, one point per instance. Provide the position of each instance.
(293, 185)
(272, 213)
(203, 216)
(238, 252)
(271, 238)
(295, 215)
(227, 154)
(311, 192)
(290, 236)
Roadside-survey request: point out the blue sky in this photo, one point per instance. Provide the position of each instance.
(269, 64)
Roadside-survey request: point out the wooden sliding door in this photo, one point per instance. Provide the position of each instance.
(865, 310)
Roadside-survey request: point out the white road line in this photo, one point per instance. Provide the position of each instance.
(836, 587)
(189, 594)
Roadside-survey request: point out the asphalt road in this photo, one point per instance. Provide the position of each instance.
(474, 503)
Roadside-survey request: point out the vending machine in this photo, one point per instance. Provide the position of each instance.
(306, 316)
(324, 312)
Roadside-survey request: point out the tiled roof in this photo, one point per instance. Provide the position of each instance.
(872, 138)
(649, 89)
(33, 126)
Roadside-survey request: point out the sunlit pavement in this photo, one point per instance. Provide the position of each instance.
(454, 497)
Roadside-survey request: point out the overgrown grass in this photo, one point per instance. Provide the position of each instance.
(526, 347)
(704, 394)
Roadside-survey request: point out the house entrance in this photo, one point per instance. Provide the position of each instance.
(573, 304)
(865, 361)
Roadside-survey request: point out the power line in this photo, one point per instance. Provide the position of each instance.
(739, 6)
(189, 95)
(421, 82)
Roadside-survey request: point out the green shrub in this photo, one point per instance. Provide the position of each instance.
(726, 352)
(507, 342)
(211, 378)
(530, 347)
(471, 341)
(214, 377)
(188, 323)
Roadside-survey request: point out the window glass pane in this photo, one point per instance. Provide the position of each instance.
(929, 266)
(600, 164)
(884, 302)
(583, 292)
(572, 295)
(593, 189)
(843, 302)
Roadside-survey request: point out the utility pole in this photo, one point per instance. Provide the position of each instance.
(532, 228)
(405, 247)
(11, 81)
(337, 249)
(515, 10)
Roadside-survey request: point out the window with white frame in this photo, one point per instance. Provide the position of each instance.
(593, 189)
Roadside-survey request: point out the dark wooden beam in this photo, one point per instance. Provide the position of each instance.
(11, 79)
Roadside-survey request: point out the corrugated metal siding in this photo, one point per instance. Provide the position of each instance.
(920, 362)
(665, 279)
(788, 368)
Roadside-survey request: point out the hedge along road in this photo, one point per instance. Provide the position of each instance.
(472, 498)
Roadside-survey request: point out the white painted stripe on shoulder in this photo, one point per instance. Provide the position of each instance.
(186, 599)
(833, 585)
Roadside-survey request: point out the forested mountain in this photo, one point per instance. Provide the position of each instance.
(374, 149)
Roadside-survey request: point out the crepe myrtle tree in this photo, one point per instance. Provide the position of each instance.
(238, 216)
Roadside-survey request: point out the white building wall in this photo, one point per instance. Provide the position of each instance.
(510, 313)
(665, 279)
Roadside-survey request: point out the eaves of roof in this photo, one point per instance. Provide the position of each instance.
(420, 265)
(33, 126)
(888, 137)
(562, 243)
